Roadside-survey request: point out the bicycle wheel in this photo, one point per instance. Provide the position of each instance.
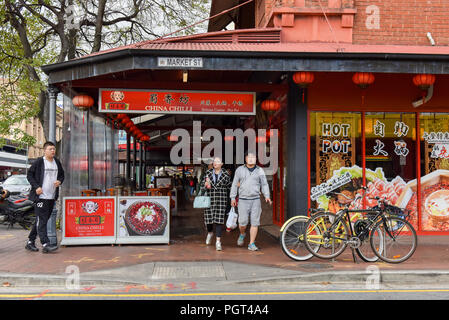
(292, 239)
(399, 239)
(330, 239)
(365, 252)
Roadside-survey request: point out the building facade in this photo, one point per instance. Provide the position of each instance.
(361, 88)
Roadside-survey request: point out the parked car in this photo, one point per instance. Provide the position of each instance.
(17, 184)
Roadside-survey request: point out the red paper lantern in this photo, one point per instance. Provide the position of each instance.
(83, 101)
(129, 124)
(139, 135)
(121, 116)
(303, 78)
(363, 79)
(146, 138)
(270, 105)
(424, 81)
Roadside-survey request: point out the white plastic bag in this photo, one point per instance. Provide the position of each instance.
(231, 223)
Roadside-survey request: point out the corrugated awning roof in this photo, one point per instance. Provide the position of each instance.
(303, 47)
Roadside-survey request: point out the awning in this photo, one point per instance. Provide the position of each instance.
(13, 160)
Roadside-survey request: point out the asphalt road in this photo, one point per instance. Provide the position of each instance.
(239, 293)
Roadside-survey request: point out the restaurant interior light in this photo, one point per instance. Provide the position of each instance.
(185, 76)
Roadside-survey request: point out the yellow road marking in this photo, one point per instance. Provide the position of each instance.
(143, 295)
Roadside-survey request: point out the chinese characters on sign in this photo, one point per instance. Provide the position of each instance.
(440, 141)
(179, 102)
(400, 146)
(330, 185)
(378, 148)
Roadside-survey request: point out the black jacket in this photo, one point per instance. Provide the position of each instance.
(35, 177)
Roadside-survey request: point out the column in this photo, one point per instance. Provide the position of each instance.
(297, 150)
(52, 95)
(128, 157)
(141, 184)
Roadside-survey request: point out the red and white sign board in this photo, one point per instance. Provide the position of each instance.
(176, 102)
(89, 220)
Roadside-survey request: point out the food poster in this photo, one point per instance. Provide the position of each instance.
(434, 195)
(390, 146)
(389, 158)
(88, 220)
(143, 219)
(335, 140)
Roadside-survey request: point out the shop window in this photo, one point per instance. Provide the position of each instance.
(434, 183)
(390, 156)
(335, 157)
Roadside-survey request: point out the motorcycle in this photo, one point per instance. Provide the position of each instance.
(16, 209)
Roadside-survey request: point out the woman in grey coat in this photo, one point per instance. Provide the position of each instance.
(216, 183)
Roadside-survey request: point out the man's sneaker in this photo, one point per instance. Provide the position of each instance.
(31, 246)
(209, 238)
(252, 247)
(240, 240)
(218, 246)
(48, 248)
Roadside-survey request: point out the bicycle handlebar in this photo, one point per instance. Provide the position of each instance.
(358, 196)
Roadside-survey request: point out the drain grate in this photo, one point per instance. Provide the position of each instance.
(185, 272)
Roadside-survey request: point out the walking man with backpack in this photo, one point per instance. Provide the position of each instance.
(249, 181)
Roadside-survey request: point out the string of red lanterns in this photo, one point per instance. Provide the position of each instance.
(130, 128)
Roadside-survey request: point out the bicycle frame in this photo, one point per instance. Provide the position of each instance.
(344, 213)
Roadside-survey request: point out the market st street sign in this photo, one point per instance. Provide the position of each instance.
(176, 102)
(178, 62)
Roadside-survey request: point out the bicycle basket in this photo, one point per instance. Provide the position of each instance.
(398, 212)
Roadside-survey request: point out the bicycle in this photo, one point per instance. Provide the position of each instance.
(391, 236)
(292, 237)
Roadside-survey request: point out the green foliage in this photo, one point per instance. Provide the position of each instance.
(39, 32)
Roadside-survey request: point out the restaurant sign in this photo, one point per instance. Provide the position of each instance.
(176, 102)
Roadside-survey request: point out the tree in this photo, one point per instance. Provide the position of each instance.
(38, 32)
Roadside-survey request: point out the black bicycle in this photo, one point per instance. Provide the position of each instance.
(391, 236)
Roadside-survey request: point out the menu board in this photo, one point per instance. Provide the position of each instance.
(88, 220)
(143, 219)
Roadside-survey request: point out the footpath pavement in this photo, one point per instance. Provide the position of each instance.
(188, 261)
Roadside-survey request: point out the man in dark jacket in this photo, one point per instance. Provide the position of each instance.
(45, 176)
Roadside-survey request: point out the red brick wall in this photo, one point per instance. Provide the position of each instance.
(403, 22)
(400, 22)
